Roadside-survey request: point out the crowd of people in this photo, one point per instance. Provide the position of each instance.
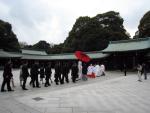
(79, 71)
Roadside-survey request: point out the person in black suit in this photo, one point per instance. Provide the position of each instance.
(34, 74)
(125, 69)
(7, 75)
(74, 72)
(48, 72)
(58, 73)
(84, 72)
(65, 72)
(42, 73)
(25, 75)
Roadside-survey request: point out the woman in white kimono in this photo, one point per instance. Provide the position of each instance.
(98, 71)
(79, 70)
(103, 69)
(90, 72)
(139, 68)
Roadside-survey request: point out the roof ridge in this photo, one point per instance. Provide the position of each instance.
(130, 40)
(34, 50)
(90, 52)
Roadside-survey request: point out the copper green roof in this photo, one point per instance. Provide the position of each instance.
(4, 54)
(128, 45)
(114, 46)
(33, 52)
(67, 56)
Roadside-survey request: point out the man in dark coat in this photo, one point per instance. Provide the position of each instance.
(7, 75)
(34, 74)
(25, 75)
(58, 72)
(125, 69)
(42, 73)
(144, 70)
(74, 72)
(65, 72)
(84, 72)
(48, 72)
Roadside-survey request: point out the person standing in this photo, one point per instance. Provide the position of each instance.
(90, 71)
(58, 73)
(48, 72)
(144, 71)
(74, 72)
(7, 75)
(103, 69)
(84, 72)
(42, 74)
(79, 76)
(25, 75)
(125, 69)
(34, 74)
(20, 76)
(139, 69)
(97, 70)
(65, 72)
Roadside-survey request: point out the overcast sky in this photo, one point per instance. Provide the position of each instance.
(51, 20)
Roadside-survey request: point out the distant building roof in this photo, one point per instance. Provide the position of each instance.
(128, 45)
(4, 54)
(114, 46)
(33, 52)
(67, 56)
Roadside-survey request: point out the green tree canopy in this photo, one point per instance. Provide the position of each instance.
(8, 40)
(41, 45)
(144, 26)
(92, 34)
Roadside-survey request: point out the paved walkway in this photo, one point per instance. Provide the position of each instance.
(113, 93)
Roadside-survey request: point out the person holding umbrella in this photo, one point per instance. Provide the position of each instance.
(84, 58)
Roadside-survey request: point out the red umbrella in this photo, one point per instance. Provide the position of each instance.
(82, 56)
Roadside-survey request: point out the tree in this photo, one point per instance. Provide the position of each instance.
(144, 26)
(92, 34)
(8, 40)
(41, 45)
(23, 44)
(56, 49)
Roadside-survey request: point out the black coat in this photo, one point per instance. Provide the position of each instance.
(74, 69)
(25, 72)
(48, 70)
(7, 71)
(42, 71)
(34, 70)
(65, 69)
(58, 69)
(84, 69)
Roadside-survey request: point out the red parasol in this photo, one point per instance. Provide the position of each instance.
(82, 56)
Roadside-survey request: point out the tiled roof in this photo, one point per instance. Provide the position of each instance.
(4, 54)
(114, 46)
(33, 52)
(69, 56)
(128, 45)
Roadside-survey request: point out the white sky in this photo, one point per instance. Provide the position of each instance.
(51, 20)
